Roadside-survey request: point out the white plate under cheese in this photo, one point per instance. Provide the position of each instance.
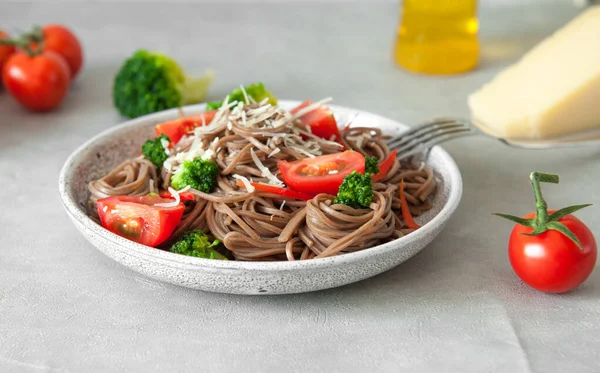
(554, 90)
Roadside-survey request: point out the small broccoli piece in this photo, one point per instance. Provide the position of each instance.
(200, 174)
(148, 82)
(371, 165)
(356, 191)
(197, 243)
(256, 91)
(154, 150)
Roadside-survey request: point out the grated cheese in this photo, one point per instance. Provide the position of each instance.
(265, 172)
(175, 195)
(310, 108)
(245, 181)
(165, 144)
(245, 95)
(359, 141)
(275, 151)
(282, 204)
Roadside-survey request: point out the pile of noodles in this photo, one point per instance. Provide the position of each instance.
(247, 141)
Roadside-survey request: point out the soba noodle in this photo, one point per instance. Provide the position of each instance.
(247, 141)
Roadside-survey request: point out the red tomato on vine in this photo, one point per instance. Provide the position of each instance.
(551, 251)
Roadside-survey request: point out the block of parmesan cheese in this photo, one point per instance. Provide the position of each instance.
(553, 91)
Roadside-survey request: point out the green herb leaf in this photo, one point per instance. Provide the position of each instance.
(554, 225)
(555, 216)
(525, 222)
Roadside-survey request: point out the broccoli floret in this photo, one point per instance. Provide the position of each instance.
(257, 91)
(371, 165)
(148, 82)
(356, 191)
(200, 174)
(154, 150)
(196, 243)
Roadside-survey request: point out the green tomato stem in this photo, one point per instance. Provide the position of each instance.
(543, 221)
(22, 42)
(541, 216)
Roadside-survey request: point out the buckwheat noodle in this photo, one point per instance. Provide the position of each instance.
(247, 141)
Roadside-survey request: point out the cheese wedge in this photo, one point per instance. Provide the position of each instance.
(554, 90)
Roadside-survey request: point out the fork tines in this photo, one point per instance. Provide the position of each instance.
(429, 134)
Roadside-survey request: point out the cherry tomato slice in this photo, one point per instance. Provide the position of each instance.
(138, 219)
(321, 121)
(322, 174)
(285, 192)
(385, 166)
(177, 128)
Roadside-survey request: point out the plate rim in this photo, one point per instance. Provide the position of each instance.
(145, 252)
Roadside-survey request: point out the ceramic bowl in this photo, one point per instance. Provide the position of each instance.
(103, 152)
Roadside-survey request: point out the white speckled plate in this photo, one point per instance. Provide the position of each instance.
(103, 152)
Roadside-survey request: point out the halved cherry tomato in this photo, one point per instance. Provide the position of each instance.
(322, 174)
(385, 166)
(321, 121)
(138, 219)
(177, 128)
(285, 192)
(183, 196)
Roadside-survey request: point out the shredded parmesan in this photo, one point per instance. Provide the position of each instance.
(282, 204)
(245, 95)
(105, 208)
(310, 108)
(359, 141)
(165, 144)
(175, 195)
(208, 154)
(151, 186)
(245, 181)
(265, 172)
(303, 151)
(275, 151)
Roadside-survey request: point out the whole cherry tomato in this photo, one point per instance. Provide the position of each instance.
(59, 39)
(551, 251)
(39, 82)
(5, 49)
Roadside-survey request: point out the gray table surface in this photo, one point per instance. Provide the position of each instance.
(456, 307)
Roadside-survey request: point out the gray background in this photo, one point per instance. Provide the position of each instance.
(456, 307)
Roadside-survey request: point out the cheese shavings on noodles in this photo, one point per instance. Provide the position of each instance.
(245, 181)
(175, 195)
(165, 144)
(265, 172)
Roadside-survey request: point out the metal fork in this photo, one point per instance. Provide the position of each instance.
(423, 137)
